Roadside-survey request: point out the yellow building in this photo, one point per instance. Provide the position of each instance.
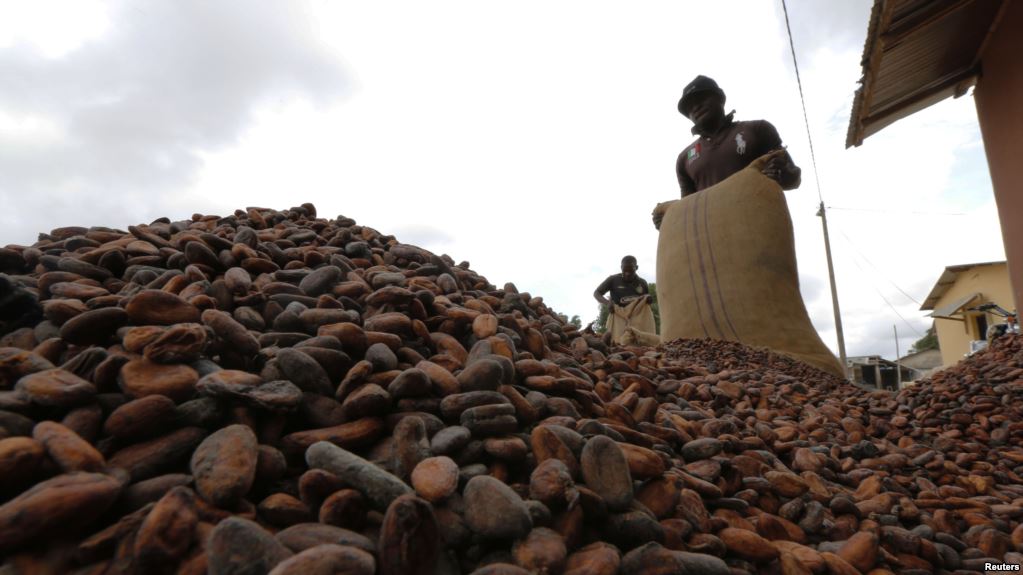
(959, 289)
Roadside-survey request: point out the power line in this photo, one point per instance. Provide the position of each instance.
(802, 100)
(878, 270)
(879, 293)
(890, 306)
(839, 332)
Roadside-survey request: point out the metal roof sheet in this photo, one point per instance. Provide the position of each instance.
(949, 311)
(918, 52)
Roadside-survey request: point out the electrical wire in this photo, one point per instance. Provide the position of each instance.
(878, 270)
(890, 306)
(802, 100)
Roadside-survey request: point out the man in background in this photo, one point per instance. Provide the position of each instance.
(629, 301)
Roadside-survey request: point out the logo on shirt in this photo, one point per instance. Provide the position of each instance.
(694, 152)
(740, 144)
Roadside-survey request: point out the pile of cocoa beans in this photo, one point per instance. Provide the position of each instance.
(272, 392)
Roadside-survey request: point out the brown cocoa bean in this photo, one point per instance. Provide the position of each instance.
(435, 478)
(156, 307)
(605, 470)
(409, 538)
(141, 378)
(494, 511)
(56, 388)
(166, 533)
(67, 449)
(62, 504)
(224, 465)
(327, 559)
(237, 546)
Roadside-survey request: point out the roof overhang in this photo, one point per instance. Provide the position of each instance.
(954, 309)
(917, 53)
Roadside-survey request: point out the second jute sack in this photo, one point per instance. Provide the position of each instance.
(726, 269)
(636, 314)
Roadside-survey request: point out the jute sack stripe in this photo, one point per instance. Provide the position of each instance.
(726, 269)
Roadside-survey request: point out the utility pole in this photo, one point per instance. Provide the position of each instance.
(898, 366)
(834, 290)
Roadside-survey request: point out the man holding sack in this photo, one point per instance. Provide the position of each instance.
(726, 261)
(629, 302)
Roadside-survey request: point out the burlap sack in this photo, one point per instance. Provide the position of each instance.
(635, 314)
(632, 336)
(726, 269)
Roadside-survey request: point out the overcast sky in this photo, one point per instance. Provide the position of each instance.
(531, 138)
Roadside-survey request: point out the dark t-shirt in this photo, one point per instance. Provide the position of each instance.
(620, 288)
(712, 159)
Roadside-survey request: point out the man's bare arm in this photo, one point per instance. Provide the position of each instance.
(685, 183)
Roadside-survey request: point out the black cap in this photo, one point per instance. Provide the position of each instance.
(699, 84)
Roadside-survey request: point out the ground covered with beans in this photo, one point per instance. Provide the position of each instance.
(273, 392)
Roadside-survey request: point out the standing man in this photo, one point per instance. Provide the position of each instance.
(629, 304)
(718, 281)
(624, 287)
(723, 145)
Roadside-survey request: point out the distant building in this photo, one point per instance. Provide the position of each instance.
(959, 289)
(923, 363)
(920, 52)
(876, 371)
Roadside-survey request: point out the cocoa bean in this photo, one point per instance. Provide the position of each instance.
(304, 536)
(494, 511)
(67, 448)
(238, 546)
(166, 533)
(156, 307)
(224, 465)
(93, 326)
(409, 538)
(140, 418)
(327, 559)
(344, 508)
(151, 458)
(379, 487)
(283, 510)
(605, 470)
(748, 545)
(181, 343)
(141, 378)
(303, 371)
(543, 550)
(20, 460)
(435, 478)
(595, 559)
(56, 388)
(62, 504)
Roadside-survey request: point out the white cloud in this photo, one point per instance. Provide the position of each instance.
(53, 28)
(113, 130)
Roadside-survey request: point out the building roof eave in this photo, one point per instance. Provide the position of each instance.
(918, 52)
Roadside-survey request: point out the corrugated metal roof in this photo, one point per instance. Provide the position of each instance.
(918, 52)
